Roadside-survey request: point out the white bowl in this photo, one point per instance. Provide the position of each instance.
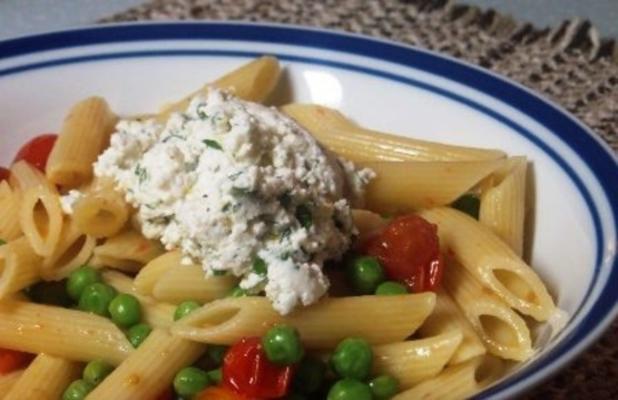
(381, 84)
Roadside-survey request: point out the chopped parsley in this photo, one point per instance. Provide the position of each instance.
(201, 113)
(285, 199)
(226, 207)
(213, 144)
(240, 191)
(304, 216)
(173, 135)
(259, 266)
(235, 175)
(141, 173)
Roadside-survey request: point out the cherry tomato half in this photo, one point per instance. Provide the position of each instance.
(409, 250)
(11, 360)
(4, 174)
(36, 151)
(247, 370)
(220, 393)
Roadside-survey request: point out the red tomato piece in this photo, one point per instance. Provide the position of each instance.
(409, 250)
(220, 393)
(36, 151)
(247, 370)
(11, 360)
(168, 394)
(4, 174)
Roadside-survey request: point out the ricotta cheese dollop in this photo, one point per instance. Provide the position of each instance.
(239, 188)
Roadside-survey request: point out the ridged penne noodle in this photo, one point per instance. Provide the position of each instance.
(457, 382)
(385, 319)
(19, 267)
(344, 137)
(70, 334)
(8, 381)
(367, 223)
(492, 262)
(25, 176)
(9, 212)
(101, 211)
(156, 314)
(253, 81)
(503, 332)
(152, 272)
(410, 185)
(73, 250)
(503, 207)
(84, 134)
(127, 251)
(413, 361)
(46, 378)
(150, 369)
(447, 317)
(41, 218)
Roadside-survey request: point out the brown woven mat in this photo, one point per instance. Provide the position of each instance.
(570, 64)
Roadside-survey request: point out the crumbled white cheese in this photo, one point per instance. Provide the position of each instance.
(229, 182)
(67, 202)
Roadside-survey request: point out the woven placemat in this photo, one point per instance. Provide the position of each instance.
(569, 64)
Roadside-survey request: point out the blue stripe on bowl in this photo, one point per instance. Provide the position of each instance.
(600, 160)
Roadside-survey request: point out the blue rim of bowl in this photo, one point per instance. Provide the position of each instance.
(595, 154)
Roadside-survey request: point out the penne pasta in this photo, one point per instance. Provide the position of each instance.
(367, 223)
(150, 369)
(41, 218)
(503, 332)
(127, 251)
(101, 211)
(426, 184)
(448, 317)
(84, 134)
(74, 250)
(386, 319)
(344, 137)
(46, 378)
(456, 382)
(8, 381)
(503, 206)
(70, 334)
(9, 212)
(253, 81)
(19, 267)
(152, 272)
(413, 361)
(25, 176)
(492, 262)
(156, 314)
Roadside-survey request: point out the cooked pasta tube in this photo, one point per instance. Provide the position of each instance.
(41, 219)
(503, 332)
(46, 378)
(152, 272)
(457, 382)
(150, 369)
(127, 251)
(385, 319)
(410, 185)
(74, 249)
(101, 211)
(8, 381)
(344, 137)
(253, 81)
(25, 176)
(367, 223)
(413, 361)
(492, 262)
(19, 267)
(503, 207)
(70, 334)
(84, 134)
(156, 314)
(9, 212)
(447, 317)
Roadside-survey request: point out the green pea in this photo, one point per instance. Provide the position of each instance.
(365, 274)
(96, 371)
(352, 358)
(282, 345)
(238, 292)
(96, 298)
(309, 376)
(215, 376)
(216, 353)
(190, 381)
(185, 308)
(77, 390)
(468, 203)
(138, 333)
(80, 279)
(391, 288)
(125, 310)
(53, 292)
(349, 389)
(384, 387)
